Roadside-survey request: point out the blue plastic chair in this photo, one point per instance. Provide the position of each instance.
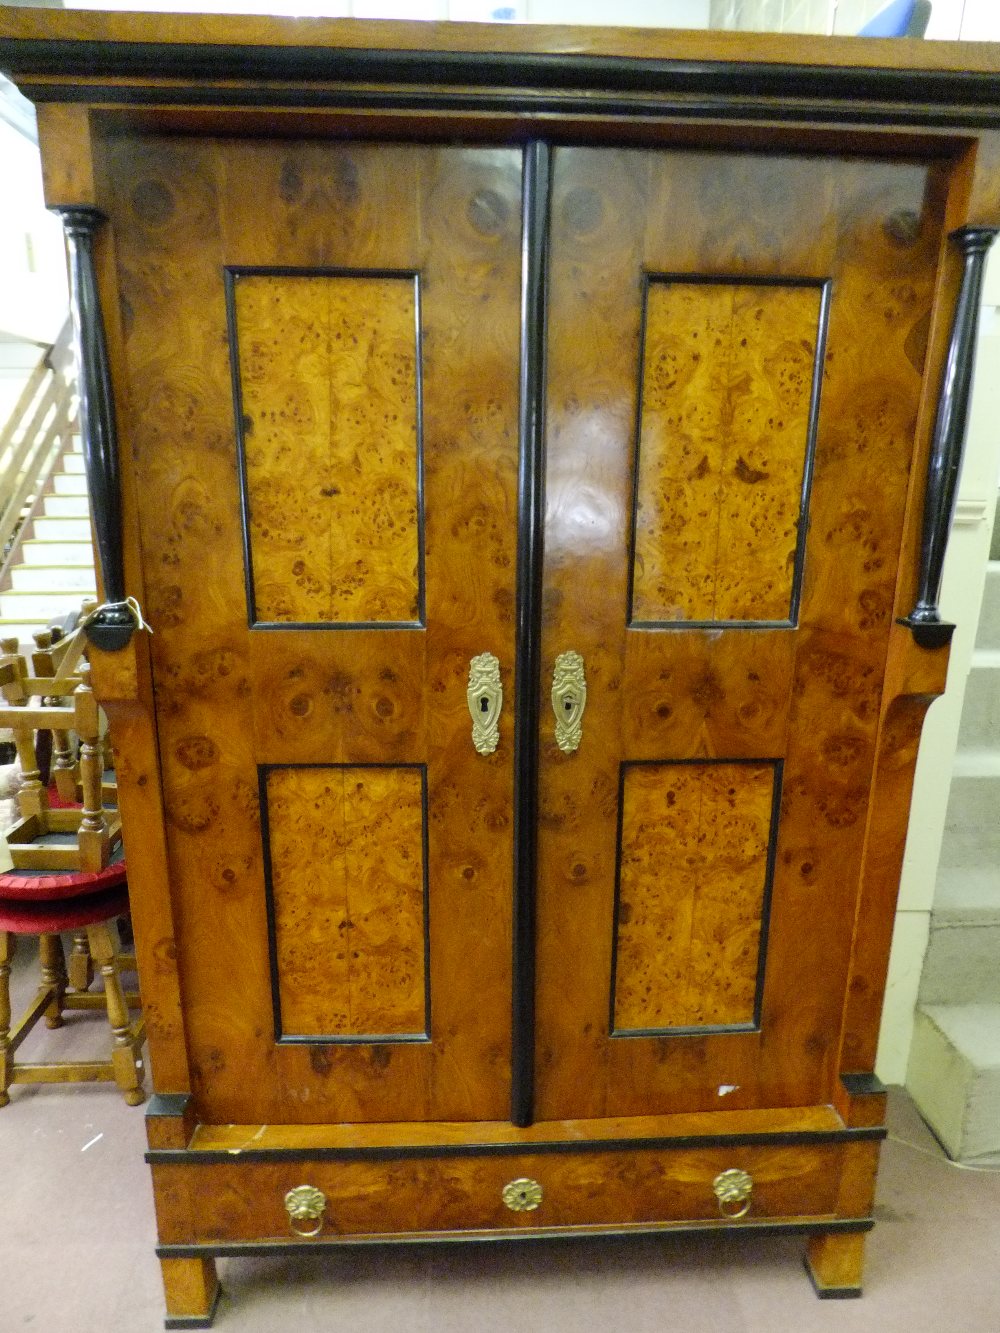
(902, 18)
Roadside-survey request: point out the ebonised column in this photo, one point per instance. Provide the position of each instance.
(950, 427)
(114, 624)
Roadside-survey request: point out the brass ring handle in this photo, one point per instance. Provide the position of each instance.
(733, 1189)
(485, 696)
(569, 699)
(305, 1203)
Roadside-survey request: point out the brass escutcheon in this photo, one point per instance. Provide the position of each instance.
(522, 1195)
(733, 1189)
(569, 699)
(485, 696)
(305, 1203)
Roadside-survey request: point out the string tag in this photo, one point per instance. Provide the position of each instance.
(130, 605)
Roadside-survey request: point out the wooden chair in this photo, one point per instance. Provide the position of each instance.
(38, 840)
(37, 903)
(69, 871)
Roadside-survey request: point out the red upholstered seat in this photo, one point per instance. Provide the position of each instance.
(49, 886)
(48, 917)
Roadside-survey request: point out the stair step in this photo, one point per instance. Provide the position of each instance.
(69, 483)
(41, 578)
(66, 506)
(62, 529)
(24, 606)
(22, 630)
(977, 764)
(954, 1077)
(960, 966)
(968, 896)
(974, 805)
(73, 462)
(988, 633)
(980, 725)
(36, 552)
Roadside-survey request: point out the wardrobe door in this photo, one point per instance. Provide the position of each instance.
(735, 352)
(322, 354)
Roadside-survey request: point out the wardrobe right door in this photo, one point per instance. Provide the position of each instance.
(736, 345)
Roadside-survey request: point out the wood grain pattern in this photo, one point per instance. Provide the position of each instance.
(407, 1134)
(261, 30)
(328, 375)
(693, 871)
(726, 389)
(625, 1187)
(229, 697)
(810, 695)
(347, 876)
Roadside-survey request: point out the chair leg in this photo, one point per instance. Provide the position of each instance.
(53, 977)
(81, 967)
(7, 942)
(125, 1055)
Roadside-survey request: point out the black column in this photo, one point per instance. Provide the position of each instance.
(113, 626)
(950, 427)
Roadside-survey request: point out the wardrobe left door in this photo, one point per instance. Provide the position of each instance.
(321, 364)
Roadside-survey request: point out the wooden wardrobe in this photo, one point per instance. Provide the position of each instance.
(533, 451)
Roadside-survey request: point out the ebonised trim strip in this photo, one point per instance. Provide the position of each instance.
(114, 624)
(772, 1139)
(863, 1085)
(527, 670)
(171, 1105)
(616, 105)
(94, 60)
(950, 426)
(247, 1250)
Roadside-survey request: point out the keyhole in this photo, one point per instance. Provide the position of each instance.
(568, 705)
(484, 704)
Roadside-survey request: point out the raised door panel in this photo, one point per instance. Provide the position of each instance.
(322, 354)
(735, 353)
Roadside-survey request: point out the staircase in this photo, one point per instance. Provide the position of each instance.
(954, 1068)
(45, 525)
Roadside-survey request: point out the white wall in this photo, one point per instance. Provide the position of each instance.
(32, 266)
(625, 13)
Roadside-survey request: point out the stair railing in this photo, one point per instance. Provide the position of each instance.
(32, 441)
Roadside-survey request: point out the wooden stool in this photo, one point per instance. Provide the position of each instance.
(37, 903)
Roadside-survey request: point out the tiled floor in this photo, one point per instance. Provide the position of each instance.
(77, 1236)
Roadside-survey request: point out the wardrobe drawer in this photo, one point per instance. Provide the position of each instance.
(235, 1201)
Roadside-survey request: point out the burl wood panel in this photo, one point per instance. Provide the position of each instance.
(726, 390)
(328, 381)
(347, 883)
(692, 881)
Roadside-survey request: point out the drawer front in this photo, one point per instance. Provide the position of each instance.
(246, 1201)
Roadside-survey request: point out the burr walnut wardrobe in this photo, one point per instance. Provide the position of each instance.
(533, 451)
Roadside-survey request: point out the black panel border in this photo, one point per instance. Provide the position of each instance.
(527, 673)
(231, 275)
(354, 1039)
(789, 1138)
(705, 1030)
(249, 1249)
(520, 82)
(825, 287)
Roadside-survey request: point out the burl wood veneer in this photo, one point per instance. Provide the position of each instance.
(411, 351)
